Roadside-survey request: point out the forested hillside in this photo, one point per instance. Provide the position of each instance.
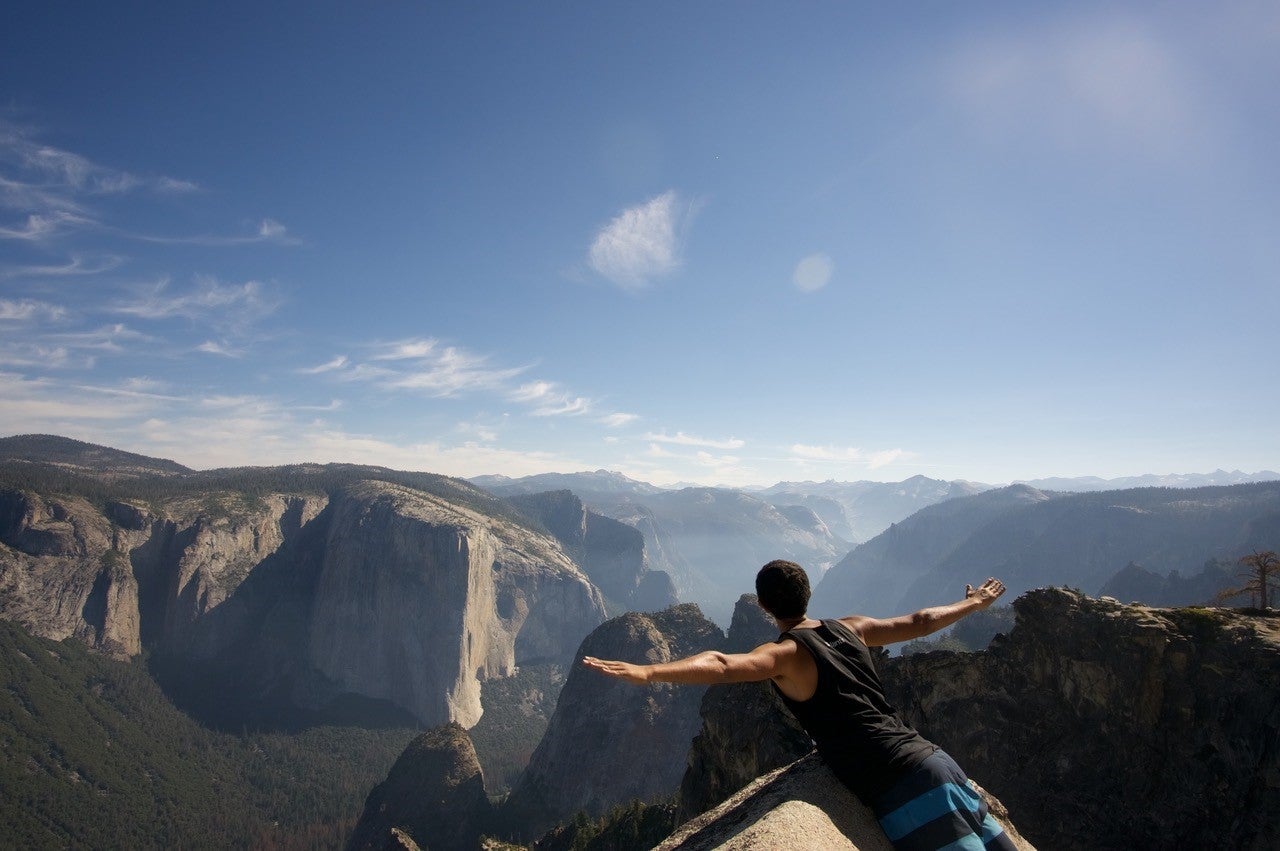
(94, 755)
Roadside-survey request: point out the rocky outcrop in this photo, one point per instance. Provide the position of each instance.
(609, 742)
(121, 577)
(433, 798)
(611, 553)
(419, 599)
(1105, 725)
(801, 805)
(408, 596)
(200, 551)
(746, 730)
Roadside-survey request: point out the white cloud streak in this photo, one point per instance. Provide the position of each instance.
(682, 439)
(329, 366)
(72, 171)
(849, 455)
(24, 310)
(232, 308)
(76, 266)
(45, 226)
(53, 187)
(548, 400)
(640, 244)
(222, 349)
(266, 231)
(617, 420)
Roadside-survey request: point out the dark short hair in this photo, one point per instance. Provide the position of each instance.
(783, 589)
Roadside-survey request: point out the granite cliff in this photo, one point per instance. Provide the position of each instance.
(123, 575)
(611, 553)
(419, 599)
(270, 590)
(1104, 725)
(609, 742)
(1100, 725)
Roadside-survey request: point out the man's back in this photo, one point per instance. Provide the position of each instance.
(857, 731)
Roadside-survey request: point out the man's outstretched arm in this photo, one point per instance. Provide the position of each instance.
(708, 668)
(877, 632)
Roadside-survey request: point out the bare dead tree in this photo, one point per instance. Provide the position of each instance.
(1263, 569)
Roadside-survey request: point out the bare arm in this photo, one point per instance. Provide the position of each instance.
(877, 632)
(708, 668)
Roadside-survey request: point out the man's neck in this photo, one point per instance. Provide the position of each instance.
(788, 624)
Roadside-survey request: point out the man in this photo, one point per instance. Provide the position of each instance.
(824, 673)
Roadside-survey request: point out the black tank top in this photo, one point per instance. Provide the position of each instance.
(858, 733)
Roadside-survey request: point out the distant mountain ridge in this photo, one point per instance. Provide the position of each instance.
(1032, 538)
(712, 540)
(600, 485)
(1152, 480)
(869, 507)
(85, 457)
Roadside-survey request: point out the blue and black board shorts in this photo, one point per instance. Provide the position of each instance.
(935, 808)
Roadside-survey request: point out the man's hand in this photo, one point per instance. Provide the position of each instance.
(634, 674)
(986, 593)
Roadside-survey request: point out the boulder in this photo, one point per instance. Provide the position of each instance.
(801, 805)
(433, 798)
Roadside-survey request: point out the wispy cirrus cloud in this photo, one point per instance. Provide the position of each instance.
(448, 370)
(641, 243)
(55, 167)
(56, 192)
(27, 309)
(47, 406)
(421, 364)
(265, 231)
(682, 439)
(428, 366)
(848, 454)
(230, 307)
(619, 419)
(547, 399)
(44, 226)
(221, 348)
(77, 265)
(333, 365)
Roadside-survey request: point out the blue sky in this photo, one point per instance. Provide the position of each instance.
(707, 242)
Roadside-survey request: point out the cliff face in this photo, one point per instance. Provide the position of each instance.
(611, 553)
(388, 592)
(121, 577)
(1110, 726)
(434, 795)
(609, 742)
(419, 599)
